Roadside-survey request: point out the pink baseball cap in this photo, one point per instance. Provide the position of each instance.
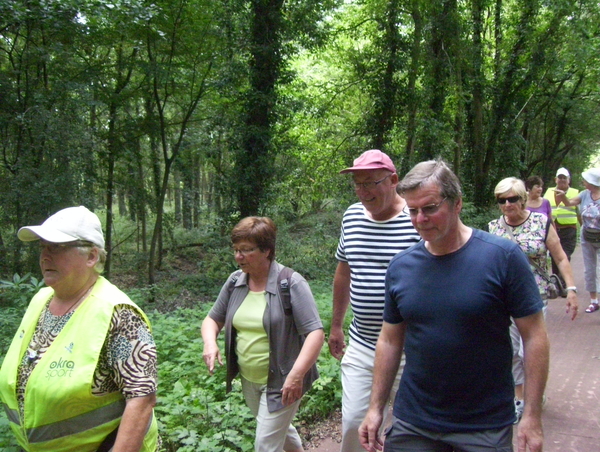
(371, 160)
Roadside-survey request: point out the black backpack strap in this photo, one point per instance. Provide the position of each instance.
(284, 280)
(233, 280)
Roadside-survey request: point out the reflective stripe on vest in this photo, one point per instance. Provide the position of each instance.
(77, 424)
(563, 214)
(12, 415)
(566, 213)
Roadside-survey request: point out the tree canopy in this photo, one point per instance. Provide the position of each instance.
(180, 109)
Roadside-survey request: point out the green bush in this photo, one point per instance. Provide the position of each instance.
(478, 217)
(19, 290)
(193, 411)
(7, 439)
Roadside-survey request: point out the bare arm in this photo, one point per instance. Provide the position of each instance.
(560, 257)
(292, 387)
(387, 361)
(211, 352)
(134, 423)
(341, 300)
(561, 197)
(536, 354)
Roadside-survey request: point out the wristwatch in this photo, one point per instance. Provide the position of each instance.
(573, 288)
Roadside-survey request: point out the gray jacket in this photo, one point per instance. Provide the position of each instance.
(286, 330)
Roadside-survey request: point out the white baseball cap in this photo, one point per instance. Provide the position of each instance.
(563, 172)
(67, 225)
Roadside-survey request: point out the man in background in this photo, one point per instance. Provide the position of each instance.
(448, 304)
(373, 231)
(565, 218)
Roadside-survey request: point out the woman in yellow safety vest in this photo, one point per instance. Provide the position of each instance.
(80, 374)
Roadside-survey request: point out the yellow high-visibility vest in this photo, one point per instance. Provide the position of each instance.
(61, 414)
(563, 214)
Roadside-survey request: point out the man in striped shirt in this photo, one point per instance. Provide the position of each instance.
(373, 231)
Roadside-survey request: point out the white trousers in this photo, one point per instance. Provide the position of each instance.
(357, 379)
(274, 431)
(518, 365)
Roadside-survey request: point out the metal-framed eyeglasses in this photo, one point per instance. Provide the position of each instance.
(427, 210)
(56, 248)
(369, 185)
(244, 252)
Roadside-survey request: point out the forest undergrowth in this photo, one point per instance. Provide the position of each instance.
(193, 411)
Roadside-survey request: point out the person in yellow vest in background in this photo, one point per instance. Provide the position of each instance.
(80, 374)
(565, 218)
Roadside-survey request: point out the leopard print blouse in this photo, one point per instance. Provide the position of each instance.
(127, 361)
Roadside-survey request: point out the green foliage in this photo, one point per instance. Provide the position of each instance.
(326, 393)
(19, 290)
(193, 410)
(14, 297)
(10, 319)
(478, 217)
(7, 439)
(308, 245)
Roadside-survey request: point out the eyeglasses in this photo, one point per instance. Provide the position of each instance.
(510, 199)
(369, 185)
(244, 252)
(427, 210)
(55, 248)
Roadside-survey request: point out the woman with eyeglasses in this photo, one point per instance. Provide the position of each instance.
(80, 374)
(273, 334)
(534, 233)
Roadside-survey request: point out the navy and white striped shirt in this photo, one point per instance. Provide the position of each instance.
(368, 246)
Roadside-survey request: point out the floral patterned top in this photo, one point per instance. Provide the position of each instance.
(590, 210)
(531, 237)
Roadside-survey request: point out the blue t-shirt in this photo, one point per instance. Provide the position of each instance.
(457, 310)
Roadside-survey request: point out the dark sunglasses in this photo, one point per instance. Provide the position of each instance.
(512, 200)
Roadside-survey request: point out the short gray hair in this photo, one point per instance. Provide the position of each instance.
(432, 172)
(99, 267)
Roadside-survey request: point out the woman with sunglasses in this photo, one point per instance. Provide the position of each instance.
(273, 335)
(534, 233)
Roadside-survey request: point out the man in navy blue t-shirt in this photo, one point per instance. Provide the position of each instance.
(448, 304)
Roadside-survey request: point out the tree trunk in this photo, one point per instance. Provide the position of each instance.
(255, 161)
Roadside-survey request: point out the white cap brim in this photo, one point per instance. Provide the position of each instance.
(31, 233)
(67, 225)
